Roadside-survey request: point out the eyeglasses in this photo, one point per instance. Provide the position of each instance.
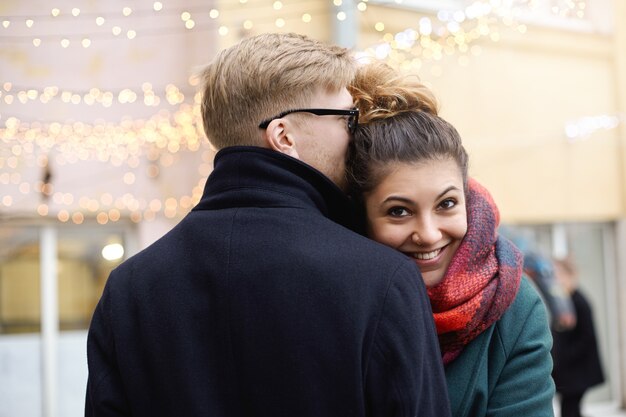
(353, 116)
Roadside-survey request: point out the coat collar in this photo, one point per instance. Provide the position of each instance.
(247, 176)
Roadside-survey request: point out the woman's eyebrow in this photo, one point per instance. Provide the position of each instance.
(398, 198)
(450, 188)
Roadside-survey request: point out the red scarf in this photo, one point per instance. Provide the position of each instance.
(481, 281)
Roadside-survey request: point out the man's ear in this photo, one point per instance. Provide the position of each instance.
(278, 137)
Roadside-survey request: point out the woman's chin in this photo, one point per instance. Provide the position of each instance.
(432, 278)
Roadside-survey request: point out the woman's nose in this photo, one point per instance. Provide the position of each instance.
(426, 232)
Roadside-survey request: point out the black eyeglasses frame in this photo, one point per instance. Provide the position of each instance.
(353, 116)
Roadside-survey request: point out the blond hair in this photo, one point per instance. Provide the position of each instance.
(264, 75)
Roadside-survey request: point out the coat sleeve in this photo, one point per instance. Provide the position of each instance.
(525, 386)
(105, 395)
(404, 376)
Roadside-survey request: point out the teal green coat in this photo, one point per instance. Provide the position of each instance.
(506, 370)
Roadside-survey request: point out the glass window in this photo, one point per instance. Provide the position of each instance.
(86, 254)
(83, 270)
(19, 280)
(592, 247)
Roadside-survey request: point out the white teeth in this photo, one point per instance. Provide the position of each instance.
(426, 255)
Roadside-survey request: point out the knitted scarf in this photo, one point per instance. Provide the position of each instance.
(481, 281)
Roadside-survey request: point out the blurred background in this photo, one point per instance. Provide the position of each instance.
(102, 149)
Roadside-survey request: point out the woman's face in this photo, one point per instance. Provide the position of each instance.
(419, 209)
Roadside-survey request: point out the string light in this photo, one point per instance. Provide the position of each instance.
(433, 37)
(454, 31)
(148, 148)
(583, 128)
(100, 20)
(159, 139)
(172, 94)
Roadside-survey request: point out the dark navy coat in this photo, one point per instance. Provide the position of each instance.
(577, 365)
(259, 303)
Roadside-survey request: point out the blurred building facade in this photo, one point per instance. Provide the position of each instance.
(101, 145)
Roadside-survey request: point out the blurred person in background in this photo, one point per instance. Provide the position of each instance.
(409, 170)
(262, 301)
(577, 366)
(540, 269)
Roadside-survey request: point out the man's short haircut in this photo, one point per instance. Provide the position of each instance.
(264, 75)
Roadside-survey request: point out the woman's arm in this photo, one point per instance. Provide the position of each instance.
(524, 386)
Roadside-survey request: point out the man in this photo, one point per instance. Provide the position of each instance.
(261, 302)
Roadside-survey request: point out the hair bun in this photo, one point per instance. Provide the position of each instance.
(380, 92)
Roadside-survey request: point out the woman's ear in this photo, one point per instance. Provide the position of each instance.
(279, 137)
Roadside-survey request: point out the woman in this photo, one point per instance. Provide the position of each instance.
(577, 366)
(409, 170)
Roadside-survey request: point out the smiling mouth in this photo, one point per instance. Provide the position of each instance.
(425, 256)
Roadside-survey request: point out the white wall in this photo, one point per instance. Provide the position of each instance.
(20, 376)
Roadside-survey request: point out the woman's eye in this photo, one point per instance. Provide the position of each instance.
(447, 204)
(398, 212)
